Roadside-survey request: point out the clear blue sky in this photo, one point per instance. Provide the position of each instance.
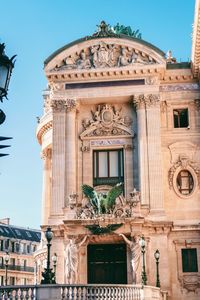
(33, 29)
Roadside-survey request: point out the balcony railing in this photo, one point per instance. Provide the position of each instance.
(18, 268)
(81, 292)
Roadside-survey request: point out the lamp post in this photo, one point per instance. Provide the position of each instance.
(6, 66)
(48, 275)
(157, 257)
(6, 259)
(54, 260)
(144, 275)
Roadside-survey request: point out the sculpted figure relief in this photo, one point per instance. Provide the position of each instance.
(135, 254)
(72, 259)
(107, 120)
(103, 55)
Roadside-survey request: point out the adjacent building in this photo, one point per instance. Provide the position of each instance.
(20, 243)
(117, 110)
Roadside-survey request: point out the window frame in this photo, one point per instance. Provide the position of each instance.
(109, 180)
(187, 266)
(179, 118)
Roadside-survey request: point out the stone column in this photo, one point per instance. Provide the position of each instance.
(152, 103)
(46, 192)
(58, 156)
(139, 103)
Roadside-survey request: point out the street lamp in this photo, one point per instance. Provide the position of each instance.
(6, 259)
(54, 260)
(48, 275)
(157, 257)
(6, 66)
(144, 275)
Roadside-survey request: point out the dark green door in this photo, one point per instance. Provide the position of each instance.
(107, 264)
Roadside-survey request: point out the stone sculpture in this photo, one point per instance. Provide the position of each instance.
(72, 259)
(135, 254)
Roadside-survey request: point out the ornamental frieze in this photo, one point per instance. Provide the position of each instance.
(103, 55)
(106, 121)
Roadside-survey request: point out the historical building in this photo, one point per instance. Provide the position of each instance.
(20, 243)
(120, 139)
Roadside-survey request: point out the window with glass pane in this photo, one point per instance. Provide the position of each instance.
(185, 182)
(189, 260)
(180, 118)
(108, 167)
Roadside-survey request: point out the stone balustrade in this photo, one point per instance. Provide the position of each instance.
(81, 292)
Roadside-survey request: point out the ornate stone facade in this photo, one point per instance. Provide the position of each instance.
(116, 114)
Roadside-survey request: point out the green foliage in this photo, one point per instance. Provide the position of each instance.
(121, 29)
(102, 203)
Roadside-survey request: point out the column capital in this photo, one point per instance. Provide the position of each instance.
(139, 101)
(152, 100)
(64, 105)
(142, 101)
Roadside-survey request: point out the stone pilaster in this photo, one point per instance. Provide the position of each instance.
(152, 103)
(46, 192)
(139, 103)
(71, 149)
(63, 130)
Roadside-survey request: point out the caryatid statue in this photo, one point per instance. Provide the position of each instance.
(72, 259)
(135, 253)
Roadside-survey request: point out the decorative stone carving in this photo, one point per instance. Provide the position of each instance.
(184, 162)
(47, 104)
(46, 153)
(197, 103)
(179, 87)
(146, 101)
(63, 105)
(72, 200)
(152, 100)
(151, 80)
(163, 106)
(106, 120)
(139, 101)
(191, 282)
(103, 55)
(170, 58)
(85, 148)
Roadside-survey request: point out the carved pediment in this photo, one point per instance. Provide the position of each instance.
(105, 121)
(104, 55)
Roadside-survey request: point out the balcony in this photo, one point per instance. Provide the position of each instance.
(82, 292)
(18, 268)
